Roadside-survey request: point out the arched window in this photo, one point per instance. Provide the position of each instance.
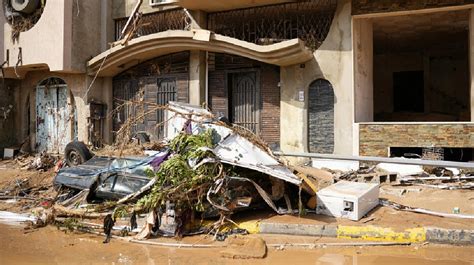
(321, 117)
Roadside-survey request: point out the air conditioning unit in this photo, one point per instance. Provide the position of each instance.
(351, 200)
(25, 6)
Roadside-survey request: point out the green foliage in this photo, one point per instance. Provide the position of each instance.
(70, 224)
(120, 212)
(189, 145)
(177, 181)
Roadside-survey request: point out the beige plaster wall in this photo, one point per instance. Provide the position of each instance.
(67, 34)
(107, 24)
(86, 33)
(333, 62)
(123, 8)
(45, 42)
(2, 35)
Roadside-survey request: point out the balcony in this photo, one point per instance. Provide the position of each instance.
(216, 6)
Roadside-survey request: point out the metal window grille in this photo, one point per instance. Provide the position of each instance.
(307, 20)
(175, 19)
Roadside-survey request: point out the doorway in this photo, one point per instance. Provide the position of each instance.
(244, 99)
(53, 116)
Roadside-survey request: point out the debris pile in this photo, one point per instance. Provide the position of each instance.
(42, 161)
(192, 184)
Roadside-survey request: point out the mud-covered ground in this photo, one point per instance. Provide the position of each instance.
(51, 246)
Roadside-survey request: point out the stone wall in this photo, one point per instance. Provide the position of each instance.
(375, 139)
(360, 7)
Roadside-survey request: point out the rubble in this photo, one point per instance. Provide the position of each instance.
(204, 170)
(203, 173)
(400, 207)
(42, 161)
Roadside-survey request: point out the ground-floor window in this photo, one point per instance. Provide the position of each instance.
(142, 87)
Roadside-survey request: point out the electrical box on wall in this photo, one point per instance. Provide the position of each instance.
(351, 200)
(301, 96)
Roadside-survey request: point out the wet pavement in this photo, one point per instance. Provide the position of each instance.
(51, 246)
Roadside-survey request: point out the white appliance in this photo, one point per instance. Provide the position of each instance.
(351, 200)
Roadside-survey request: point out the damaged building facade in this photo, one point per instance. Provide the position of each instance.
(375, 78)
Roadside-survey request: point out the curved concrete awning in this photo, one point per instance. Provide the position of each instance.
(122, 57)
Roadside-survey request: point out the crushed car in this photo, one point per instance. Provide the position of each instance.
(207, 167)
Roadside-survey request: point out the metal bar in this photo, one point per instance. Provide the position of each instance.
(420, 162)
(132, 16)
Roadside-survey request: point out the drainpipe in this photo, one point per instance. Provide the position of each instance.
(103, 24)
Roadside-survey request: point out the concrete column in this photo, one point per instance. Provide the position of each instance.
(2, 35)
(197, 77)
(197, 63)
(293, 114)
(107, 90)
(363, 67)
(82, 109)
(471, 59)
(106, 24)
(199, 19)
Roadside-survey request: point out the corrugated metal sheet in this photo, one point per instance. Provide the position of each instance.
(321, 117)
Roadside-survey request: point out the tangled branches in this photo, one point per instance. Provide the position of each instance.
(178, 181)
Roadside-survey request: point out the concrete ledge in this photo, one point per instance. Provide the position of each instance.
(368, 233)
(298, 229)
(374, 233)
(121, 57)
(450, 236)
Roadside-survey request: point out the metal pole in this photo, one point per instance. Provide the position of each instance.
(405, 161)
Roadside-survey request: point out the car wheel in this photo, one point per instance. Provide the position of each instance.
(76, 153)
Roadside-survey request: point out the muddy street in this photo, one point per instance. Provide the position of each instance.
(51, 246)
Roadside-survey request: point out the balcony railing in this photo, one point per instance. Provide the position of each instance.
(306, 20)
(175, 19)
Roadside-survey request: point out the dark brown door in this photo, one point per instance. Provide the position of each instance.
(244, 107)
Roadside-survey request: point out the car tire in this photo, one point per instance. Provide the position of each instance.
(76, 153)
